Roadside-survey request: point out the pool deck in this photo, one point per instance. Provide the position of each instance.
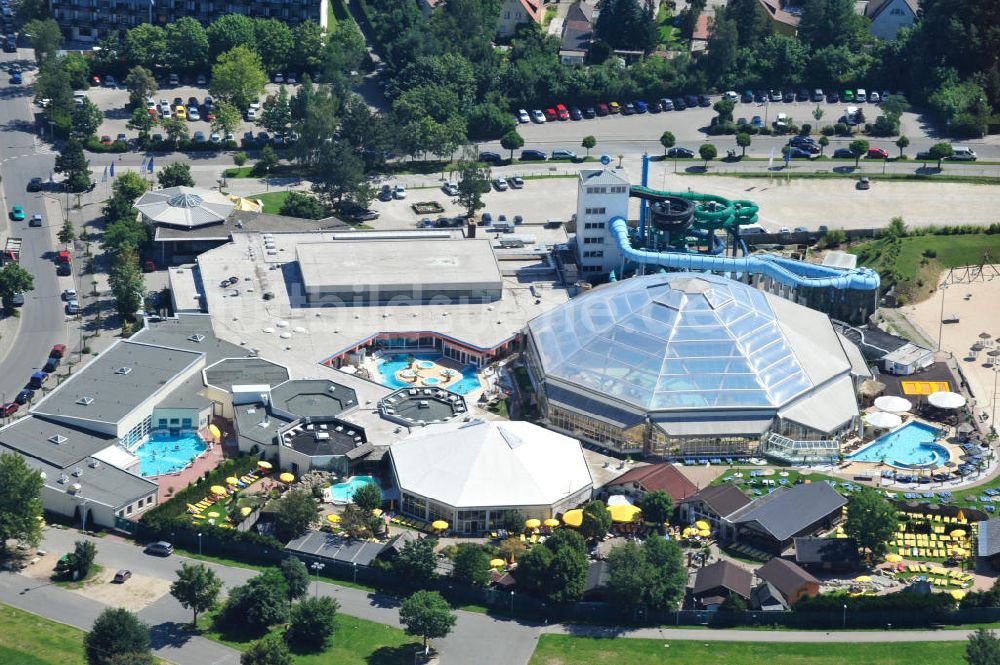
(440, 365)
(205, 462)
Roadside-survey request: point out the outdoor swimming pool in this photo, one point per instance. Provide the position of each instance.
(165, 452)
(388, 366)
(911, 445)
(342, 492)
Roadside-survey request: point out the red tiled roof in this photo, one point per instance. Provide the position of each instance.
(703, 27)
(533, 9)
(774, 10)
(659, 478)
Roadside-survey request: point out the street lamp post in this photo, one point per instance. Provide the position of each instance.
(199, 543)
(943, 288)
(355, 565)
(512, 602)
(317, 566)
(844, 622)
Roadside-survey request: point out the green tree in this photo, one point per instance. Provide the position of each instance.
(626, 24)
(71, 162)
(983, 648)
(427, 615)
(144, 45)
(312, 621)
(338, 173)
(724, 109)
(359, 524)
(474, 180)
(258, 604)
(117, 632)
(512, 520)
(14, 279)
(176, 174)
(667, 140)
(657, 507)
(871, 521)
(126, 282)
(124, 233)
(128, 187)
(902, 142)
(472, 565)
(296, 577)
(653, 574)
(227, 118)
(708, 152)
(511, 141)
(176, 130)
(20, 485)
(416, 563)
(81, 559)
(29, 10)
(231, 31)
(142, 121)
(77, 68)
(238, 76)
(596, 520)
(187, 45)
(274, 43)
(895, 229)
(141, 84)
(87, 117)
(309, 45)
(823, 142)
(828, 22)
(67, 233)
(306, 206)
(733, 603)
(941, 151)
(276, 115)
(818, 113)
(240, 158)
(512, 548)
(588, 143)
(267, 162)
(296, 510)
(269, 650)
(858, 148)
(568, 575)
(45, 36)
(196, 588)
(723, 51)
(834, 238)
(368, 497)
(743, 140)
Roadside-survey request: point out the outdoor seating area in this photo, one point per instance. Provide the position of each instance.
(934, 536)
(212, 510)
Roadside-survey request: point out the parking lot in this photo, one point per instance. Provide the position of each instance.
(112, 102)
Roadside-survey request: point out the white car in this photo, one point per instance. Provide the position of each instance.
(69, 294)
(193, 114)
(538, 116)
(279, 78)
(861, 95)
(784, 229)
(251, 114)
(399, 192)
(215, 138)
(72, 307)
(873, 97)
(166, 113)
(450, 188)
(522, 116)
(731, 96)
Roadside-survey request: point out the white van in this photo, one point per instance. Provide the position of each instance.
(851, 115)
(963, 153)
(782, 120)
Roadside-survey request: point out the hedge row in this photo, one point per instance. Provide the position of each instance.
(198, 490)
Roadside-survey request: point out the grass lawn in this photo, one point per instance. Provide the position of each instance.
(355, 642)
(567, 650)
(272, 201)
(62, 580)
(239, 172)
(28, 639)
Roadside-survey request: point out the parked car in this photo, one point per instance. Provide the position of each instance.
(615, 107)
(877, 153)
(680, 104)
(355, 213)
(25, 396)
(641, 106)
(775, 95)
(490, 157)
(537, 116)
(35, 185)
(628, 109)
(10, 408)
(500, 184)
(551, 115)
(17, 213)
(747, 97)
(860, 95)
(818, 95)
(149, 265)
(603, 110)
(797, 153)
(559, 153)
(109, 81)
(532, 156)
(522, 116)
(691, 100)
(666, 104)
(173, 79)
(562, 112)
(757, 121)
(201, 80)
(874, 97)
(36, 220)
(961, 153)
(731, 95)
(160, 548)
(385, 194)
(575, 113)
(704, 101)
(64, 270)
(833, 97)
(848, 96)
(68, 294)
(73, 307)
(590, 112)
(760, 96)
(843, 153)
(864, 183)
(788, 96)
(122, 575)
(199, 137)
(515, 182)
(784, 229)
(450, 189)
(399, 192)
(803, 95)
(37, 380)
(193, 114)
(52, 364)
(680, 153)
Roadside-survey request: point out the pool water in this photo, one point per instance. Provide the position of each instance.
(908, 446)
(342, 492)
(387, 368)
(165, 452)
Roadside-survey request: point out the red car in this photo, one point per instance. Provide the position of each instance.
(106, 140)
(602, 109)
(877, 153)
(148, 266)
(550, 115)
(209, 116)
(562, 111)
(95, 80)
(10, 408)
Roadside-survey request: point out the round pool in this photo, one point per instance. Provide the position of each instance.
(425, 364)
(431, 381)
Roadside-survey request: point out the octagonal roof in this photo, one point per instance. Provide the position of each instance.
(680, 341)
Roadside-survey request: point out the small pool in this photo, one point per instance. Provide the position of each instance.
(909, 446)
(165, 453)
(342, 492)
(431, 381)
(388, 366)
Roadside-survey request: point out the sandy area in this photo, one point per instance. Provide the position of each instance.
(134, 595)
(977, 314)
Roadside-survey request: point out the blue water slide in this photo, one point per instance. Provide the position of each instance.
(784, 271)
(716, 245)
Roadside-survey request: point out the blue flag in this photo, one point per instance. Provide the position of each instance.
(104, 178)
(149, 165)
(112, 169)
(788, 155)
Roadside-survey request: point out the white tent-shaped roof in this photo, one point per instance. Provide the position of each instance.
(883, 420)
(489, 463)
(893, 404)
(946, 400)
(184, 207)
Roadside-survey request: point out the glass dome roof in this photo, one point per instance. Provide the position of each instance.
(672, 341)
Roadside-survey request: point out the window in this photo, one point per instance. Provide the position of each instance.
(618, 189)
(128, 510)
(186, 422)
(591, 268)
(594, 254)
(161, 423)
(593, 241)
(897, 11)
(594, 225)
(597, 190)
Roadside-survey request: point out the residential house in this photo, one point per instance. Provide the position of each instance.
(827, 554)
(663, 477)
(702, 31)
(577, 33)
(772, 521)
(784, 16)
(888, 17)
(516, 12)
(716, 582)
(713, 504)
(766, 598)
(791, 581)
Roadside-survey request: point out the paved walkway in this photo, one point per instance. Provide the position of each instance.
(723, 635)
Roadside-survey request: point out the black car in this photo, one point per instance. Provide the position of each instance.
(655, 107)
(35, 185)
(248, 139)
(803, 95)
(833, 97)
(788, 96)
(680, 104)
(533, 156)
(490, 157)
(385, 194)
(575, 113)
(843, 153)
(355, 213)
(193, 101)
(704, 100)
(628, 109)
(263, 138)
(64, 270)
(589, 112)
(760, 96)
(747, 96)
(800, 140)
(692, 100)
(680, 153)
(25, 396)
(51, 365)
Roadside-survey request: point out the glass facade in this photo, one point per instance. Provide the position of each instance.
(596, 430)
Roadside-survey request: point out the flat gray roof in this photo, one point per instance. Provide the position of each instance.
(244, 372)
(116, 382)
(313, 397)
(192, 332)
(333, 437)
(322, 545)
(250, 222)
(345, 265)
(424, 406)
(104, 484)
(249, 419)
(56, 444)
(187, 395)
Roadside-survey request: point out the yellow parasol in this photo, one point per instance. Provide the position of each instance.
(862, 578)
(215, 431)
(702, 524)
(533, 523)
(893, 558)
(497, 563)
(213, 514)
(262, 464)
(704, 533)
(551, 522)
(623, 512)
(958, 533)
(245, 510)
(219, 490)
(957, 595)
(333, 518)
(573, 517)
(961, 516)
(286, 477)
(232, 480)
(841, 535)
(377, 512)
(439, 525)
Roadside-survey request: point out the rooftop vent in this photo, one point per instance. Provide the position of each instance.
(58, 438)
(94, 463)
(86, 401)
(77, 472)
(197, 337)
(63, 478)
(123, 370)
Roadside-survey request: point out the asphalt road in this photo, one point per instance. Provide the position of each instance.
(42, 322)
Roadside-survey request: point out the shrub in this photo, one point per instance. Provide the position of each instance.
(842, 129)
(93, 144)
(806, 129)
(930, 253)
(828, 130)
